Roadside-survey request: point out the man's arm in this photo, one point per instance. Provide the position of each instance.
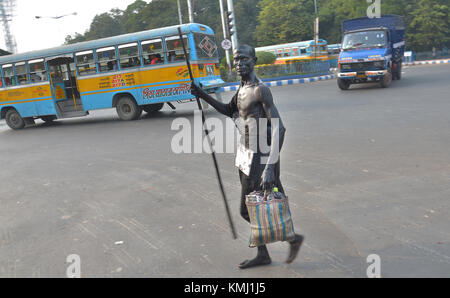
(264, 95)
(225, 109)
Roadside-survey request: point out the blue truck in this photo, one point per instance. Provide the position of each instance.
(372, 51)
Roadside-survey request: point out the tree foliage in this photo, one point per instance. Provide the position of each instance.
(265, 58)
(268, 22)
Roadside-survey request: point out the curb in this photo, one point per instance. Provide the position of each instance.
(443, 61)
(284, 82)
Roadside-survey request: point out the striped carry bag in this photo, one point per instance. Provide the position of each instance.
(270, 218)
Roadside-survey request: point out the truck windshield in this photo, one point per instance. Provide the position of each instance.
(376, 38)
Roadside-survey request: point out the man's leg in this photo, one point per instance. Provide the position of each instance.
(294, 245)
(262, 258)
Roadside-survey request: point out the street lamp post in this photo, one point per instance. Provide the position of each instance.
(316, 31)
(57, 17)
(190, 11)
(180, 16)
(227, 52)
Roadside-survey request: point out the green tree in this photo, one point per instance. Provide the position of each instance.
(76, 37)
(104, 25)
(267, 22)
(265, 58)
(247, 12)
(429, 26)
(133, 20)
(282, 21)
(333, 12)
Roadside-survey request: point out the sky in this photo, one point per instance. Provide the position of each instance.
(34, 34)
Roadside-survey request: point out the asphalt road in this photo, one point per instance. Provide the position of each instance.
(367, 172)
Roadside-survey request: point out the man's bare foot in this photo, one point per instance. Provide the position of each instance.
(262, 258)
(258, 261)
(294, 247)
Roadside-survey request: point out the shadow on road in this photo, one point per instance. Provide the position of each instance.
(112, 118)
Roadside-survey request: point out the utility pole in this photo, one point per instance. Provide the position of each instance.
(316, 31)
(6, 13)
(225, 35)
(180, 16)
(190, 11)
(232, 25)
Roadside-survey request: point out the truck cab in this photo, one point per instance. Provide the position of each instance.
(372, 51)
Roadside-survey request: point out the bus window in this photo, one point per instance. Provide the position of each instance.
(152, 52)
(37, 70)
(21, 73)
(287, 52)
(279, 53)
(86, 63)
(295, 52)
(8, 74)
(175, 48)
(303, 51)
(106, 59)
(129, 55)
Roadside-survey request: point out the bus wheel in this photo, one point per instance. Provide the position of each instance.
(343, 84)
(48, 119)
(127, 109)
(153, 107)
(14, 120)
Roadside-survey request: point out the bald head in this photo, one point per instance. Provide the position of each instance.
(246, 50)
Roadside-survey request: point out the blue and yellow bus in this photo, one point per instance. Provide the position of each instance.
(297, 51)
(131, 72)
(333, 54)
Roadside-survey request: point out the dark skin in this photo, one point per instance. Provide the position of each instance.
(254, 101)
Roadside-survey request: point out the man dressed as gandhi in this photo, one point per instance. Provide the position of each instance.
(259, 169)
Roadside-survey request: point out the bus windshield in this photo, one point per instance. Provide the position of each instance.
(376, 38)
(206, 46)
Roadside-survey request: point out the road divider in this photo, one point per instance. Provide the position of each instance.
(284, 82)
(442, 61)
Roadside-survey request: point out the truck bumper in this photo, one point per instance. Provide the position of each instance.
(369, 74)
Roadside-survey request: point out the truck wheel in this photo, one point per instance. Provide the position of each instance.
(399, 71)
(386, 80)
(343, 84)
(127, 109)
(48, 119)
(153, 107)
(14, 120)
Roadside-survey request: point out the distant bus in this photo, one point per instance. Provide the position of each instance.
(333, 54)
(297, 51)
(131, 72)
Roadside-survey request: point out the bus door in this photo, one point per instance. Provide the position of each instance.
(64, 86)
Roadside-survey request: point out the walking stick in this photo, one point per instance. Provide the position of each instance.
(227, 209)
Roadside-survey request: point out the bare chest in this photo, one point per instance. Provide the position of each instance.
(248, 104)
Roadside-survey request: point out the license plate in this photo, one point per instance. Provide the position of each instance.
(361, 76)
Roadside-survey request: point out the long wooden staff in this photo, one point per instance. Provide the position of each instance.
(227, 209)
